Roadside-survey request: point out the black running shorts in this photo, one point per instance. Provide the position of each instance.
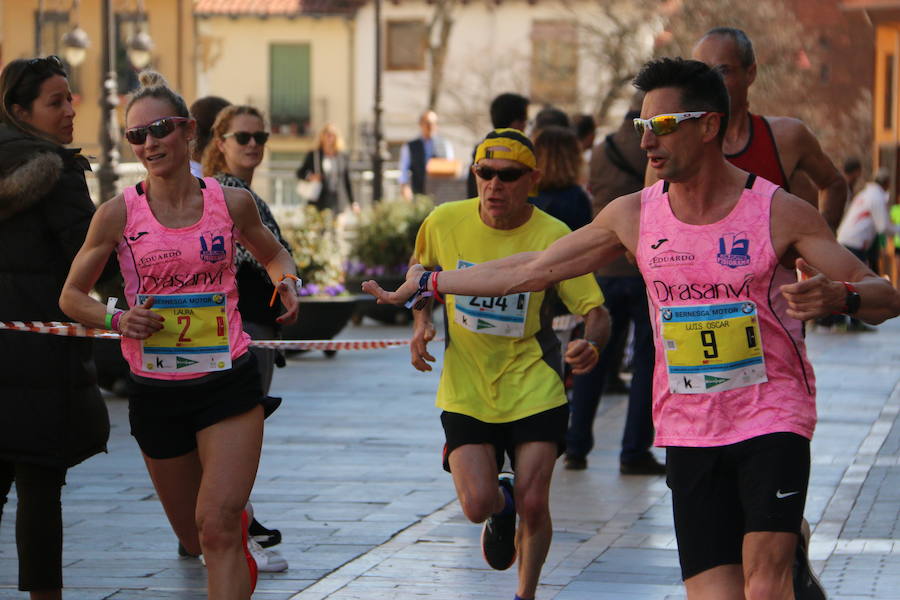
(723, 492)
(547, 426)
(166, 416)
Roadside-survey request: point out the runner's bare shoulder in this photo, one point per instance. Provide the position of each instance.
(790, 132)
(240, 204)
(110, 217)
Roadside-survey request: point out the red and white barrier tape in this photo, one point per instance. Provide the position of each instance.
(561, 323)
(78, 330)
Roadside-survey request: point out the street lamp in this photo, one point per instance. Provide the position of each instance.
(75, 42)
(140, 46)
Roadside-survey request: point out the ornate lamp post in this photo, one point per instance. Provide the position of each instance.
(378, 156)
(75, 42)
(109, 99)
(140, 46)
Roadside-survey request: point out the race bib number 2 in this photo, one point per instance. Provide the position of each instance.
(713, 347)
(194, 337)
(503, 315)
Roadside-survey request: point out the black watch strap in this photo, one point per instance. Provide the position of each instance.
(853, 299)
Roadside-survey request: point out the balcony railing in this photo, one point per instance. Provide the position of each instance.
(276, 183)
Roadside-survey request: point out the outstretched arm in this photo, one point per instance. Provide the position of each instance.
(580, 252)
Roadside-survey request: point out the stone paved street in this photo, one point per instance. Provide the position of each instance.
(351, 475)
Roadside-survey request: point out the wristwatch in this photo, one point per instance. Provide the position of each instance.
(852, 302)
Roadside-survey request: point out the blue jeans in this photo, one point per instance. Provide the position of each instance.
(626, 300)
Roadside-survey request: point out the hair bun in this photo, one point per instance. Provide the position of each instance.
(151, 79)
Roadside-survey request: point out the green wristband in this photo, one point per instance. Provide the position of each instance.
(107, 320)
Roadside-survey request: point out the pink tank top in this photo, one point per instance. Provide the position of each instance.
(196, 260)
(729, 365)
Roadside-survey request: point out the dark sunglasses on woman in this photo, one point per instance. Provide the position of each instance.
(158, 129)
(505, 175)
(243, 137)
(41, 65)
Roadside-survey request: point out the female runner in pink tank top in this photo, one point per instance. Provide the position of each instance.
(194, 397)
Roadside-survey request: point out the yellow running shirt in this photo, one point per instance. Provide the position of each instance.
(502, 361)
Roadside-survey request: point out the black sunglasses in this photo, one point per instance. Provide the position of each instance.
(42, 65)
(243, 137)
(51, 62)
(506, 175)
(158, 129)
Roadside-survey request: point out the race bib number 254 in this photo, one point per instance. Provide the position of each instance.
(501, 315)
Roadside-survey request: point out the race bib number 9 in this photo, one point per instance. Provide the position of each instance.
(713, 347)
(194, 337)
(503, 315)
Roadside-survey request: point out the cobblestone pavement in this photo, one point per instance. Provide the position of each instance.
(351, 475)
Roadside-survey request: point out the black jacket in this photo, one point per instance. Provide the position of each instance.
(336, 192)
(51, 411)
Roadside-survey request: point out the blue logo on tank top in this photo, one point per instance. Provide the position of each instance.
(734, 250)
(215, 251)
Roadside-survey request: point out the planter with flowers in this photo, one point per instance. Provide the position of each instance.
(325, 305)
(385, 241)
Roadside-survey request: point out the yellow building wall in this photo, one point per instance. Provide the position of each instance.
(170, 25)
(233, 62)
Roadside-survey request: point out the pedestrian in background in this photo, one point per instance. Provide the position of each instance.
(559, 161)
(237, 145)
(204, 110)
(53, 414)
(416, 154)
(328, 165)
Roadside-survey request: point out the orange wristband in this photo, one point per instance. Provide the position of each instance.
(297, 283)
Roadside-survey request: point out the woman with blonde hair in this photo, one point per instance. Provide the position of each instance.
(559, 161)
(329, 166)
(195, 399)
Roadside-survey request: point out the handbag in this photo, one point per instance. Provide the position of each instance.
(309, 191)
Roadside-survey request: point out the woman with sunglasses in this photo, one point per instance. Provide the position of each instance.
(238, 142)
(195, 400)
(49, 423)
(236, 147)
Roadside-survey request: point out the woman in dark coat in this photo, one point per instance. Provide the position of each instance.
(329, 165)
(53, 414)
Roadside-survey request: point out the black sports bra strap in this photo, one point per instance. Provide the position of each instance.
(665, 187)
(139, 187)
(751, 179)
(202, 183)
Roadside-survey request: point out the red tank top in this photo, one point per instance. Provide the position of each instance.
(760, 155)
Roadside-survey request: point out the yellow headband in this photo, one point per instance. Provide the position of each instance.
(510, 144)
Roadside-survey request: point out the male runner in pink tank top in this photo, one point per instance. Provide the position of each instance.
(734, 394)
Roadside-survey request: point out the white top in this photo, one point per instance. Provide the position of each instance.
(866, 217)
(196, 169)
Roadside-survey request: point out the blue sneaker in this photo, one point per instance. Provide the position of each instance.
(498, 537)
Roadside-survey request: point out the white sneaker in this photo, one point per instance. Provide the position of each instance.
(267, 561)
